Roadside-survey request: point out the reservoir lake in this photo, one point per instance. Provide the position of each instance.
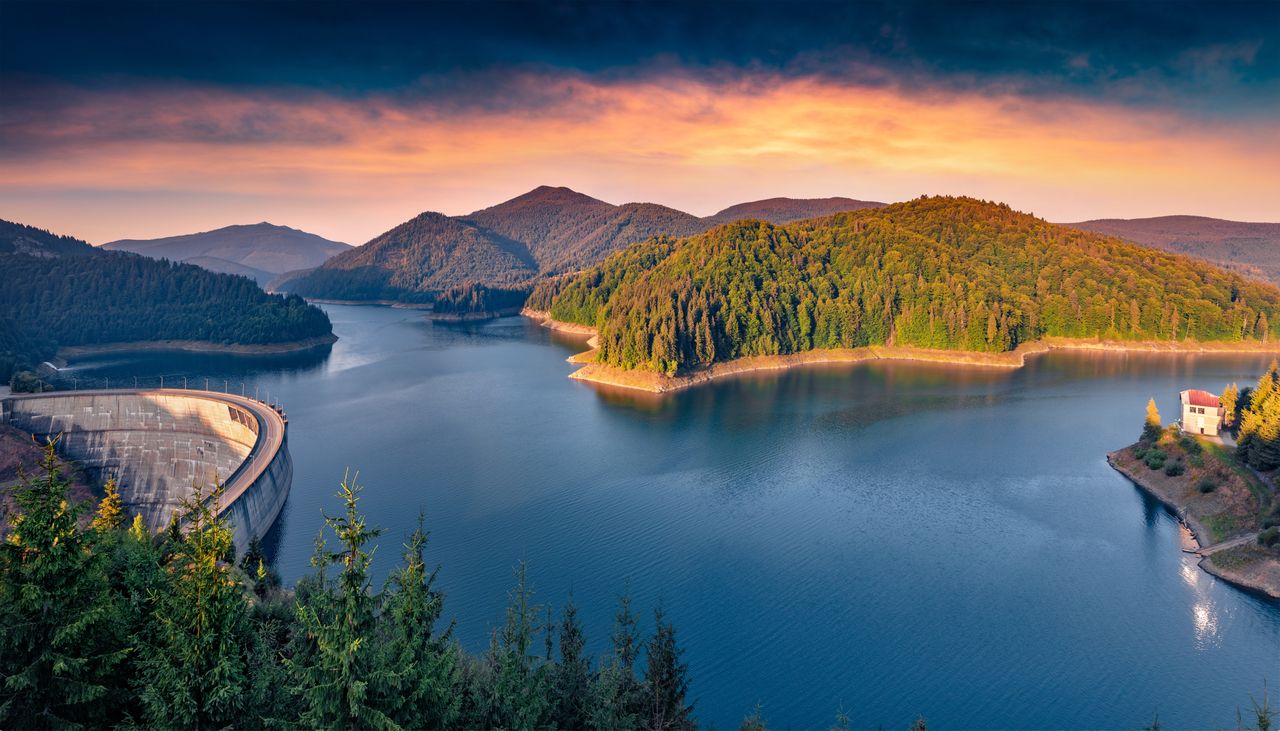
(887, 539)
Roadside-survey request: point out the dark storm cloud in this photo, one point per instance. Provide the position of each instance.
(1215, 58)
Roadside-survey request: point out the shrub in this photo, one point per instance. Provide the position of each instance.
(1173, 469)
(1206, 485)
(1196, 459)
(1155, 458)
(1139, 451)
(1270, 521)
(1190, 445)
(1269, 537)
(27, 382)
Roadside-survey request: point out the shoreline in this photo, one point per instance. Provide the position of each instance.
(543, 318)
(379, 303)
(434, 316)
(196, 346)
(651, 382)
(1253, 583)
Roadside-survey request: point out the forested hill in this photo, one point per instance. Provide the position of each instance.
(565, 230)
(947, 273)
(58, 291)
(415, 260)
(786, 210)
(1249, 248)
(541, 233)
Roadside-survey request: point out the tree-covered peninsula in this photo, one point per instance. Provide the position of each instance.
(936, 272)
(56, 291)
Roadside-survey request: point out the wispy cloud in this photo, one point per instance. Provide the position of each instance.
(351, 168)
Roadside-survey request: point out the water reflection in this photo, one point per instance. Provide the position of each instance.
(146, 369)
(1204, 613)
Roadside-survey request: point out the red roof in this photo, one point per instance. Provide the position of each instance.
(1201, 398)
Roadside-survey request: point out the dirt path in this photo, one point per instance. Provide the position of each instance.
(1237, 541)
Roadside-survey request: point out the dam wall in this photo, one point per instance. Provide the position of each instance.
(159, 444)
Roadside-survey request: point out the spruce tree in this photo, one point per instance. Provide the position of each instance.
(426, 692)
(60, 640)
(199, 673)
(666, 681)
(754, 722)
(572, 673)
(516, 684)
(339, 675)
(1152, 427)
(110, 515)
(617, 696)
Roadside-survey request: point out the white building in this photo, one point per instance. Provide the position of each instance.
(1202, 412)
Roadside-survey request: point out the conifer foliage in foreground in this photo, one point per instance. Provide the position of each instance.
(103, 625)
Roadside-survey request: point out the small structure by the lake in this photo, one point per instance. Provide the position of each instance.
(1202, 412)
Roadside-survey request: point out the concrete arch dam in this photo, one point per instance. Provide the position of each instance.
(159, 443)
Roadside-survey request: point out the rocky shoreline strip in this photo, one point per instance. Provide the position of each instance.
(196, 346)
(1235, 558)
(651, 382)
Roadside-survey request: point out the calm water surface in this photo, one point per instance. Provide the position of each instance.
(890, 539)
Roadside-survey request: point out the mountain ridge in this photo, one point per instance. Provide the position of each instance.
(561, 230)
(259, 250)
(1250, 248)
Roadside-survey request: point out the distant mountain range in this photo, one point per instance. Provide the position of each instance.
(1252, 249)
(544, 232)
(260, 251)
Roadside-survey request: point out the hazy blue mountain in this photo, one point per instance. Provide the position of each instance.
(259, 251)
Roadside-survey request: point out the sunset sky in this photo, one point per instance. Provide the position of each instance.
(150, 119)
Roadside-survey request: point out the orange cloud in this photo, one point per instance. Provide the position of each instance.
(163, 162)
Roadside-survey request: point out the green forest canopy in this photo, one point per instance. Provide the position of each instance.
(935, 272)
(84, 296)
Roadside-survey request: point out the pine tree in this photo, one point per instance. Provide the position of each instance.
(110, 515)
(338, 674)
(428, 677)
(754, 722)
(572, 681)
(517, 682)
(617, 696)
(1152, 426)
(136, 575)
(666, 681)
(60, 641)
(199, 674)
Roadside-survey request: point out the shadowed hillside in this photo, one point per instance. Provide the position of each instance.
(259, 251)
(1252, 249)
(545, 232)
(420, 257)
(58, 291)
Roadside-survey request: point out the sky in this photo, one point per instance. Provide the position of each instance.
(144, 119)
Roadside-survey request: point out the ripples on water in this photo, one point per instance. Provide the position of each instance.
(886, 538)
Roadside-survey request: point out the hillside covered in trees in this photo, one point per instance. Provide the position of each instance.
(57, 291)
(1253, 249)
(941, 272)
(544, 232)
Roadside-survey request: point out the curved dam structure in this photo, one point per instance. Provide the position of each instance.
(159, 443)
